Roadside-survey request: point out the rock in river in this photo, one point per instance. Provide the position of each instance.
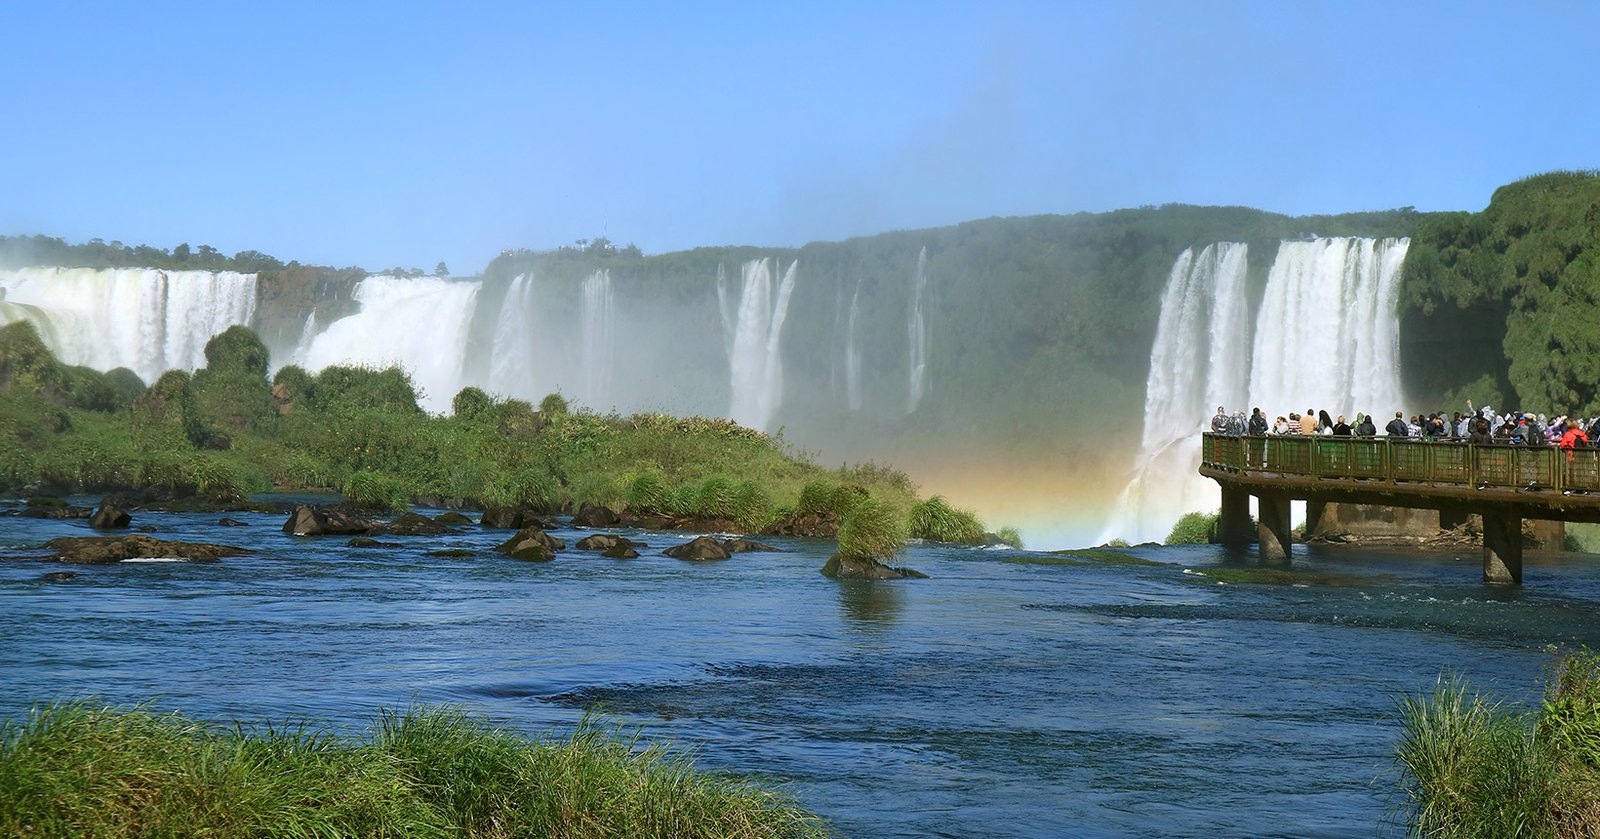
(699, 549)
(308, 520)
(100, 550)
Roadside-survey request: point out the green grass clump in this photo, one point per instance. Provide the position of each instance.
(1285, 576)
(716, 498)
(816, 498)
(1195, 529)
(935, 520)
(373, 489)
(752, 506)
(1083, 556)
(648, 493)
(1012, 537)
(532, 487)
(77, 770)
(871, 531)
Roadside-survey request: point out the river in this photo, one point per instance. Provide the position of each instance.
(994, 699)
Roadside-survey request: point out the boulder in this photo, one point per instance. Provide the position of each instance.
(742, 545)
(364, 542)
(452, 517)
(811, 526)
(513, 518)
(851, 568)
(100, 550)
(595, 515)
(699, 549)
(308, 520)
(59, 577)
(412, 524)
(110, 517)
(603, 542)
(227, 522)
(147, 528)
(56, 512)
(531, 544)
(620, 552)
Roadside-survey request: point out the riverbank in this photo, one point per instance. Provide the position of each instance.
(84, 770)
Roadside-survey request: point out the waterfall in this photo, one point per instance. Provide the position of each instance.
(917, 333)
(852, 354)
(147, 320)
(595, 314)
(1199, 361)
(751, 330)
(418, 323)
(1330, 303)
(1326, 336)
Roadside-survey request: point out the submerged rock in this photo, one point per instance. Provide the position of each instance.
(851, 568)
(412, 524)
(309, 520)
(364, 542)
(742, 545)
(452, 517)
(620, 552)
(699, 549)
(55, 512)
(110, 517)
(227, 522)
(59, 577)
(602, 542)
(100, 550)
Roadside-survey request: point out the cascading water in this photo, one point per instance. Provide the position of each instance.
(917, 334)
(852, 354)
(1326, 336)
(147, 320)
(1199, 361)
(752, 330)
(595, 315)
(419, 323)
(1329, 307)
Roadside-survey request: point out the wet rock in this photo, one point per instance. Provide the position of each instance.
(147, 528)
(452, 553)
(100, 550)
(699, 549)
(64, 511)
(595, 515)
(742, 545)
(309, 520)
(110, 517)
(227, 522)
(364, 542)
(620, 552)
(452, 517)
(811, 526)
(412, 524)
(59, 577)
(531, 544)
(851, 568)
(602, 542)
(513, 518)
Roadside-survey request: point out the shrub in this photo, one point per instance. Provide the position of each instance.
(648, 493)
(471, 403)
(936, 520)
(125, 385)
(532, 487)
(871, 531)
(343, 387)
(816, 498)
(716, 498)
(26, 363)
(1010, 536)
(752, 507)
(297, 385)
(846, 497)
(684, 500)
(374, 489)
(86, 388)
(239, 350)
(553, 405)
(1195, 529)
(1569, 719)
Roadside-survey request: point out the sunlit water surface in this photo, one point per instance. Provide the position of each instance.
(994, 699)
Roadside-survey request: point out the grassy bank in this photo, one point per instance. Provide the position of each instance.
(1475, 767)
(77, 770)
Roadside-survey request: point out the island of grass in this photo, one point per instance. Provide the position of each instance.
(228, 431)
(80, 770)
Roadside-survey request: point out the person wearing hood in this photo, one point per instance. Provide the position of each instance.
(1365, 428)
(1341, 428)
(1324, 422)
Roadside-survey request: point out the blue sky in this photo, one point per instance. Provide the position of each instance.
(409, 133)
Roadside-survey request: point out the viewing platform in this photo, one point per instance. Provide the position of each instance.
(1504, 484)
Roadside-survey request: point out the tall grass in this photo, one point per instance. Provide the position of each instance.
(374, 489)
(79, 770)
(871, 530)
(935, 520)
(1195, 529)
(1472, 767)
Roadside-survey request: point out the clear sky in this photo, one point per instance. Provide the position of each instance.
(403, 134)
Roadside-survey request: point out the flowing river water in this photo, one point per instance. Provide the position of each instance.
(997, 698)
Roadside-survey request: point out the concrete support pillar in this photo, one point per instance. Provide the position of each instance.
(1314, 511)
(1273, 534)
(1234, 527)
(1502, 548)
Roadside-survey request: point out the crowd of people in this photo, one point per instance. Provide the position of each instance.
(1478, 425)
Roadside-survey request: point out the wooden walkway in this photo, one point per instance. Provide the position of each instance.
(1503, 484)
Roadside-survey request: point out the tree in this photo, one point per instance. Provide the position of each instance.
(181, 253)
(440, 270)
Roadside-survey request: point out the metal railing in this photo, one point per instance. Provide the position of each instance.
(1407, 461)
